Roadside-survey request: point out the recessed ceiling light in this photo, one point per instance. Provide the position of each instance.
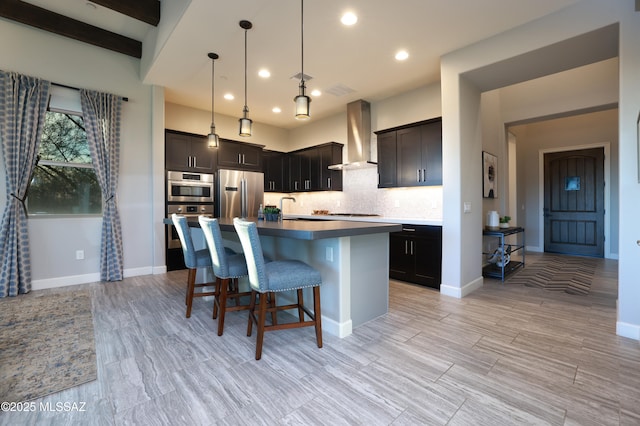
(402, 55)
(277, 110)
(349, 18)
(264, 73)
(229, 96)
(316, 93)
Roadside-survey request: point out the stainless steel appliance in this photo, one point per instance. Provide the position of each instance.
(188, 187)
(191, 211)
(239, 193)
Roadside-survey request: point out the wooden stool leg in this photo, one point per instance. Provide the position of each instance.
(223, 304)
(317, 314)
(191, 282)
(300, 305)
(272, 305)
(262, 317)
(216, 298)
(252, 307)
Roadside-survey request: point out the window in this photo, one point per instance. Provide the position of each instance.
(64, 181)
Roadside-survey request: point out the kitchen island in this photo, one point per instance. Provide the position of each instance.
(352, 257)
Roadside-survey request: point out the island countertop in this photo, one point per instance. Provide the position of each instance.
(302, 229)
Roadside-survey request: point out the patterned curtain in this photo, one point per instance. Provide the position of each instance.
(23, 107)
(101, 114)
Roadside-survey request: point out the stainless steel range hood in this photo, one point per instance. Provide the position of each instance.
(358, 137)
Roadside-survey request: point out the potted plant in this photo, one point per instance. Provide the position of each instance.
(504, 221)
(271, 213)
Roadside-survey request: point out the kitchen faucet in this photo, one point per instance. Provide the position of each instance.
(285, 198)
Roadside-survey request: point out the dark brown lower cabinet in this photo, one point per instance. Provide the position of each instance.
(415, 255)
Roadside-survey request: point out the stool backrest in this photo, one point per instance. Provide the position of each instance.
(248, 234)
(213, 236)
(188, 249)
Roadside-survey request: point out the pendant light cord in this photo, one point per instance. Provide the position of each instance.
(245, 72)
(213, 61)
(302, 41)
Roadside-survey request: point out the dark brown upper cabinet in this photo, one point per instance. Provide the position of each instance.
(188, 152)
(410, 155)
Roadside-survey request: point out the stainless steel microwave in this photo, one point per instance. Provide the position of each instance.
(188, 187)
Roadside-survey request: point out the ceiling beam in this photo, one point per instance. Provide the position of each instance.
(143, 10)
(44, 19)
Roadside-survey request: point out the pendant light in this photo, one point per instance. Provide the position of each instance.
(212, 137)
(302, 100)
(245, 122)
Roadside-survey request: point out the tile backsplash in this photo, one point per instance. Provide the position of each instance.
(361, 194)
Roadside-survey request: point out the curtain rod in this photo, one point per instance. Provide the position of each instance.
(125, 99)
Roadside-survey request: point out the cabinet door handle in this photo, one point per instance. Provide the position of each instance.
(418, 175)
(412, 248)
(424, 175)
(295, 185)
(195, 162)
(243, 159)
(409, 229)
(406, 246)
(328, 182)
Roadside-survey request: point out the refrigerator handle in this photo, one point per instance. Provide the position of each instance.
(243, 198)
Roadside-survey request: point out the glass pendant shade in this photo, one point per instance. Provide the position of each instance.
(245, 124)
(212, 138)
(303, 102)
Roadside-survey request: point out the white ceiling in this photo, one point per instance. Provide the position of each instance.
(360, 58)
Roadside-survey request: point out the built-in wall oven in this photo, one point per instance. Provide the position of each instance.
(188, 187)
(188, 194)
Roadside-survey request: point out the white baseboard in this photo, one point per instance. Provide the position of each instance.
(624, 329)
(534, 249)
(86, 278)
(465, 290)
(335, 328)
(64, 281)
(159, 269)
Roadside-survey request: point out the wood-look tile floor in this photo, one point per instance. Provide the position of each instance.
(505, 355)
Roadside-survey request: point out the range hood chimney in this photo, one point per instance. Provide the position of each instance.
(358, 137)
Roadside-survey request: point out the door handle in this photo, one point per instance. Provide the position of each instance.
(406, 246)
(328, 182)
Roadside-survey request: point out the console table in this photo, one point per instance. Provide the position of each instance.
(510, 240)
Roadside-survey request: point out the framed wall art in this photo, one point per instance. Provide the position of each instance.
(489, 175)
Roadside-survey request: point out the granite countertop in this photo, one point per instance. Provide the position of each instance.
(370, 219)
(301, 229)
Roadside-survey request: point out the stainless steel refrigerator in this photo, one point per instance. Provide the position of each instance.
(240, 193)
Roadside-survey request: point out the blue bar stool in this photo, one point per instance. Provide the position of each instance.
(194, 260)
(268, 278)
(227, 268)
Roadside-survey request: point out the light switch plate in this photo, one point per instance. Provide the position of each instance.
(467, 207)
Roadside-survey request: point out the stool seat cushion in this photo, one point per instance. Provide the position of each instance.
(283, 275)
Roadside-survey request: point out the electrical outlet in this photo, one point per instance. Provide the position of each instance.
(79, 254)
(329, 254)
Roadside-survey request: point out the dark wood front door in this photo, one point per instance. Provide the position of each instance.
(574, 202)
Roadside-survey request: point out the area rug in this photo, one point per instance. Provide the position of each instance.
(46, 344)
(570, 274)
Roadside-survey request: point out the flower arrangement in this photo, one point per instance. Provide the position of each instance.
(271, 213)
